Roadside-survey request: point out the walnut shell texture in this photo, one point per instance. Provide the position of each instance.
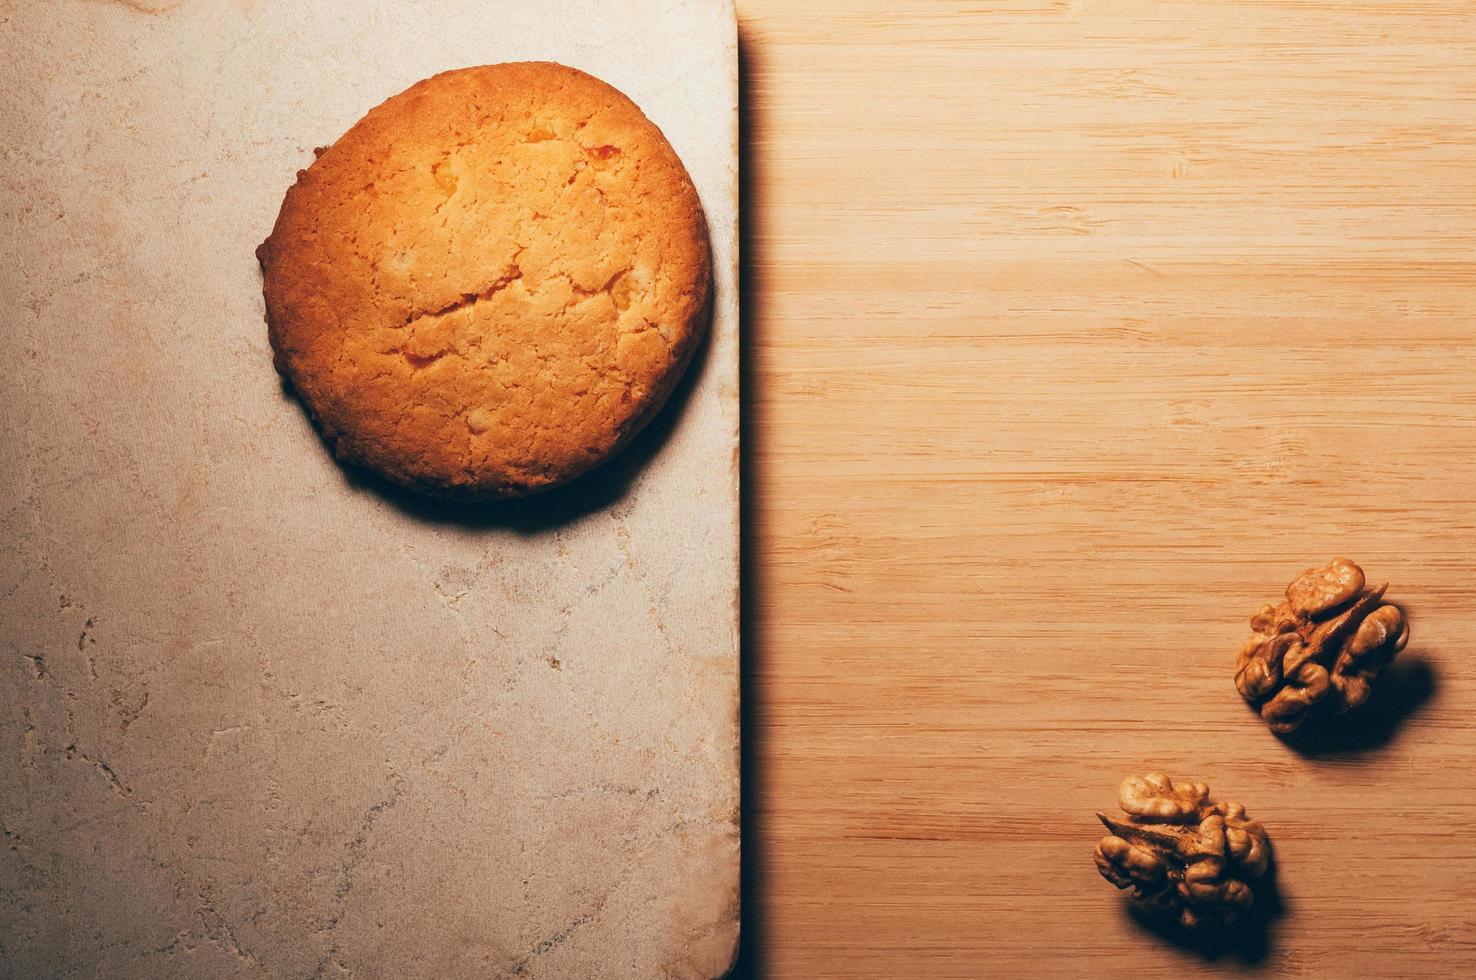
(1318, 652)
(1184, 856)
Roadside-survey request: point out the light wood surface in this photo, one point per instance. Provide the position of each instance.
(1073, 331)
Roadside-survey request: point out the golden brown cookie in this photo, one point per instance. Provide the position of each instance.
(491, 282)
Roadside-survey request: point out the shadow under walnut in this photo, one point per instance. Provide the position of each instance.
(1404, 687)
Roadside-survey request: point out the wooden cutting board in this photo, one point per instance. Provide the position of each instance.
(260, 717)
(1076, 329)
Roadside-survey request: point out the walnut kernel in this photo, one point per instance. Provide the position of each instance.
(1184, 856)
(1319, 651)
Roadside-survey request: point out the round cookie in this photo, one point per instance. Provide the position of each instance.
(491, 282)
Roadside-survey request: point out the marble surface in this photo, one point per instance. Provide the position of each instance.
(263, 717)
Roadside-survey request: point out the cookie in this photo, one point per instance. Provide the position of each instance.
(491, 282)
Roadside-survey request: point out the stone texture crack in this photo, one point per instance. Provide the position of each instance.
(350, 868)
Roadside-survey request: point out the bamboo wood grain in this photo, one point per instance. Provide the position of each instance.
(1073, 331)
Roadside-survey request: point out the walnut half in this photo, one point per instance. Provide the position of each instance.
(1184, 856)
(1319, 651)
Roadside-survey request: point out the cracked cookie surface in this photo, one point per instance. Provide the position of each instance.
(491, 282)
